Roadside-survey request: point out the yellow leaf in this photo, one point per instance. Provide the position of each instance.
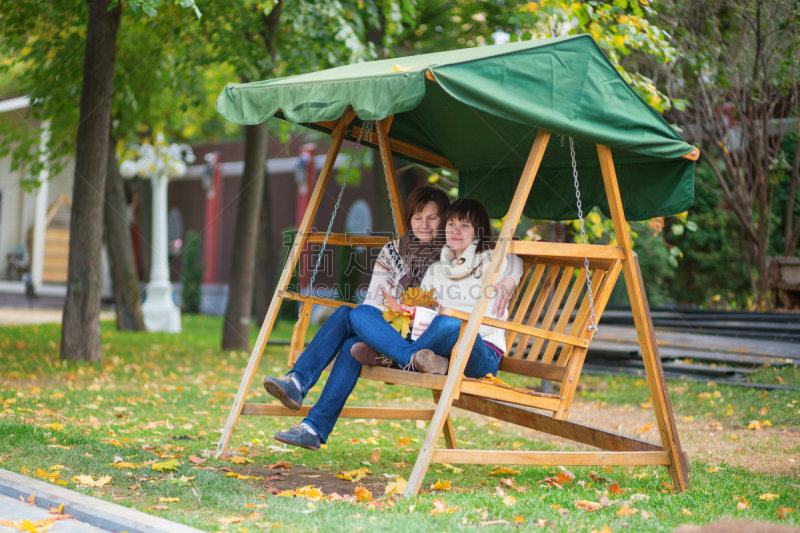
(509, 501)
(166, 466)
(518, 519)
(398, 486)
(169, 500)
(89, 481)
(363, 495)
(645, 428)
(403, 441)
(769, 497)
(713, 469)
(27, 525)
(441, 485)
(353, 475)
(455, 469)
(689, 418)
(231, 520)
(504, 470)
(122, 465)
(741, 506)
(311, 492)
(754, 424)
(686, 511)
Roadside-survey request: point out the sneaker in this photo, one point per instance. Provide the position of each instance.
(285, 390)
(367, 356)
(299, 435)
(430, 363)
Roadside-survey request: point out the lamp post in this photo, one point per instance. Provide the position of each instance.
(159, 162)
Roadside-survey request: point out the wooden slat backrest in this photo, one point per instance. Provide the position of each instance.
(533, 318)
(530, 290)
(552, 309)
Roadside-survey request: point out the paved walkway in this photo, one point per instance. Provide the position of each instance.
(13, 510)
(89, 514)
(15, 316)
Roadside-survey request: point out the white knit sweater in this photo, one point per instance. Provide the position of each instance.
(458, 282)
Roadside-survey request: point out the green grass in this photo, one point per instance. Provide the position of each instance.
(151, 389)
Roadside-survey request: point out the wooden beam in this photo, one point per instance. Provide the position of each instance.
(589, 435)
(313, 299)
(647, 343)
(486, 457)
(400, 148)
(519, 328)
(449, 430)
(384, 413)
(298, 342)
(337, 137)
(694, 155)
(348, 239)
(532, 369)
(466, 341)
(566, 250)
(486, 389)
(395, 201)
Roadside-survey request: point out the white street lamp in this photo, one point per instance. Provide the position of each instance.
(159, 162)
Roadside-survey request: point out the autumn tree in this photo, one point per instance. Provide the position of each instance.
(739, 73)
(69, 49)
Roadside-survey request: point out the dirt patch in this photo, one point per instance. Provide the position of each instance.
(294, 478)
(769, 450)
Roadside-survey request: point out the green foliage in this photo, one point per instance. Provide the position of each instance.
(192, 262)
(624, 30)
(713, 272)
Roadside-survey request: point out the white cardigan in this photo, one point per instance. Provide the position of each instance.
(458, 282)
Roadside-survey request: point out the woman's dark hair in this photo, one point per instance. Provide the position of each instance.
(472, 211)
(420, 197)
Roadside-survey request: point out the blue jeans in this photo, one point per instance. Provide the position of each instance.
(440, 337)
(334, 337)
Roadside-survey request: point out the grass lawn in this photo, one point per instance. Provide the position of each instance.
(157, 398)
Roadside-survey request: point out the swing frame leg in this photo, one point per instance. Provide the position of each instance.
(337, 137)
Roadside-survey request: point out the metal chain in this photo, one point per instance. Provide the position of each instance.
(592, 317)
(366, 132)
(388, 187)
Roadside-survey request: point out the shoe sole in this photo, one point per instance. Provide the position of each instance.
(437, 367)
(284, 441)
(275, 390)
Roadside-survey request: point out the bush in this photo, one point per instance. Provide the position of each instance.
(192, 272)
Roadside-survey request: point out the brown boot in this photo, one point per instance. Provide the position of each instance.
(430, 363)
(367, 356)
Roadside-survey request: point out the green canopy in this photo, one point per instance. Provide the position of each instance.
(483, 112)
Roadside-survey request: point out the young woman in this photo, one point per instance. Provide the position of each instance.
(457, 280)
(401, 264)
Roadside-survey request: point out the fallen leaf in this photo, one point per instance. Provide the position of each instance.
(121, 465)
(279, 464)
(783, 511)
(166, 466)
(769, 497)
(588, 506)
(403, 441)
(646, 515)
(455, 469)
(686, 512)
(518, 519)
(398, 486)
(353, 475)
(509, 501)
(645, 428)
(231, 520)
(441, 485)
(626, 511)
(713, 469)
(32, 499)
(197, 460)
(504, 470)
(375, 457)
(362, 494)
(169, 500)
(741, 506)
(89, 481)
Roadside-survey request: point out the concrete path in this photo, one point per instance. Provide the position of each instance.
(16, 316)
(90, 514)
(16, 511)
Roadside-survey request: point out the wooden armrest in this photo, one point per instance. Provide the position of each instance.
(286, 295)
(519, 328)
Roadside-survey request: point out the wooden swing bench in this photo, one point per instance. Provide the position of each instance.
(552, 321)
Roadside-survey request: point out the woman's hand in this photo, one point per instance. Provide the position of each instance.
(505, 288)
(419, 328)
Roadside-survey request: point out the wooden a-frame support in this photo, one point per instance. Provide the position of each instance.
(624, 450)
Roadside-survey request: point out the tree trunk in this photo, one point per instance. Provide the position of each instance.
(236, 330)
(80, 326)
(124, 278)
(265, 275)
(790, 232)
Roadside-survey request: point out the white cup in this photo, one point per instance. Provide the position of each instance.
(422, 314)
